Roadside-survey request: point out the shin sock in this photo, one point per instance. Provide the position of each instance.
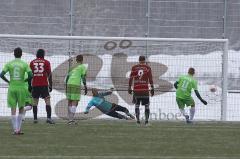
(49, 111)
(192, 112)
(137, 112)
(35, 110)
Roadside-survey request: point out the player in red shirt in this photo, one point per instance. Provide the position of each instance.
(41, 83)
(141, 77)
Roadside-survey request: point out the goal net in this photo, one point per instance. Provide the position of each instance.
(109, 61)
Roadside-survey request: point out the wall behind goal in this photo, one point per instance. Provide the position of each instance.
(167, 19)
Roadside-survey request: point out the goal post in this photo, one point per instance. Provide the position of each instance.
(109, 61)
(224, 82)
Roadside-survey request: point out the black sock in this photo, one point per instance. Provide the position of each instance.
(137, 112)
(49, 111)
(35, 112)
(147, 112)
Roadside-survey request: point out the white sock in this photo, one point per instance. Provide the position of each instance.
(23, 115)
(19, 122)
(183, 112)
(73, 110)
(27, 108)
(70, 114)
(192, 112)
(14, 122)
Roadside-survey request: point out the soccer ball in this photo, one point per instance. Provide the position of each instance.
(213, 88)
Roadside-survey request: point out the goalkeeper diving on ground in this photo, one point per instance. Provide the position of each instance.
(106, 107)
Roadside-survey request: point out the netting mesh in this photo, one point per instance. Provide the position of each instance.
(109, 63)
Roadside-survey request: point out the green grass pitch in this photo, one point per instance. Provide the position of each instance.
(112, 139)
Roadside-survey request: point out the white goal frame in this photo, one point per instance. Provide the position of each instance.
(224, 62)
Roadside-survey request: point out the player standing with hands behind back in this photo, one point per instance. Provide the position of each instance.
(16, 91)
(184, 86)
(141, 77)
(41, 84)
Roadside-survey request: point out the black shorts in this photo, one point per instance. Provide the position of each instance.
(40, 91)
(144, 100)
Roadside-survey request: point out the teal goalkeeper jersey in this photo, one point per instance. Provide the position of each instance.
(100, 102)
(185, 85)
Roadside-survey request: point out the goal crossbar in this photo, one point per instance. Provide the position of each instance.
(109, 38)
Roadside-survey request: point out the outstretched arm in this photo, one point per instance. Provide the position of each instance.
(199, 97)
(90, 104)
(2, 75)
(105, 93)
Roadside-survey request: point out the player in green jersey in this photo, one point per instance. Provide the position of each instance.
(184, 86)
(16, 91)
(73, 90)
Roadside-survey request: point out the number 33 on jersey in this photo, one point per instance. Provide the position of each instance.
(41, 69)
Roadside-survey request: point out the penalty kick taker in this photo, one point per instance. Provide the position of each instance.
(106, 107)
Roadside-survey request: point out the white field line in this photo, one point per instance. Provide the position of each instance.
(154, 124)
